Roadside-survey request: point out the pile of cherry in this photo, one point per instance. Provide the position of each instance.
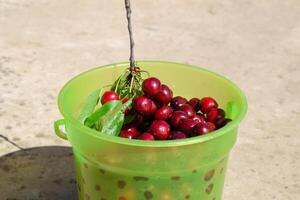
(160, 116)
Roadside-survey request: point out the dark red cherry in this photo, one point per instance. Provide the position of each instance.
(195, 103)
(221, 113)
(188, 109)
(207, 103)
(199, 118)
(143, 105)
(151, 86)
(201, 129)
(109, 96)
(211, 126)
(177, 135)
(187, 125)
(153, 107)
(146, 136)
(163, 113)
(177, 116)
(222, 122)
(129, 133)
(160, 129)
(165, 95)
(177, 102)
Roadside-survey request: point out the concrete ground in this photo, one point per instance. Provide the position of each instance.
(254, 43)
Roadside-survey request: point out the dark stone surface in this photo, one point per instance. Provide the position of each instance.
(42, 173)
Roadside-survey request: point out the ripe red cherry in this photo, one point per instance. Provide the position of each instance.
(177, 102)
(151, 86)
(187, 125)
(199, 118)
(177, 116)
(188, 109)
(207, 103)
(160, 129)
(201, 129)
(211, 126)
(129, 133)
(109, 96)
(146, 136)
(143, 105)
(163, 113)
(195, 103)
(165, 95)
(153, 107)
(177, 135)
(212, 115)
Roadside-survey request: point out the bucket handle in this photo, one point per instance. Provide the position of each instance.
(57, 129)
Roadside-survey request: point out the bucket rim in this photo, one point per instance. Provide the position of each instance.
(157, 143)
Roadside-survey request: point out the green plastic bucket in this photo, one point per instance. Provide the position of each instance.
(114, 168)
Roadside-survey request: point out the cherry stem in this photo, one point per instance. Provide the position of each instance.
(131, 58)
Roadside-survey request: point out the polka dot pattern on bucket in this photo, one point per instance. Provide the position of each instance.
(139, 187)
(208, 176)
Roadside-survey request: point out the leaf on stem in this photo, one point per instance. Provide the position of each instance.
(89, 107)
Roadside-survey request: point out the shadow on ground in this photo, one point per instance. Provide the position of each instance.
(42, 173)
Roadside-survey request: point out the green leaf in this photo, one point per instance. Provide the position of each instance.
(112, 124)
(113, 121)
(104, 111)
(120, 83)
(89, 107)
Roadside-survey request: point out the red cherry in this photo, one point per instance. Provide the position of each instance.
(164, 95)
(109, 96)
(126, 134)
(177, 135)
(143, 105)
(153, 107)
(212, 115)
(201, 129)
(151, 86)
(187, 125)
(177, 102)
(160, 129)
(211, 126)
(129, 133)
(146, 136)
(195, 103)
(208, 103)
(199, 118)
(163, 113)
(188, 109)
(177, 116)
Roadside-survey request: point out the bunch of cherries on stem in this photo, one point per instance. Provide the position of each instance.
(160, 116)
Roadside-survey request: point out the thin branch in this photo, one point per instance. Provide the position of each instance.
(131, 58)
